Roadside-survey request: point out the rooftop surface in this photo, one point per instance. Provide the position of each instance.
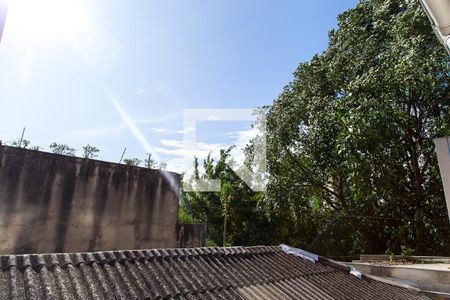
(424, 266)
(196, 273)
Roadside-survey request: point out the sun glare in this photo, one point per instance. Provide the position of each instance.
(46, 18)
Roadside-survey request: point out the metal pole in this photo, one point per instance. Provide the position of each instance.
(123, 153)
(149, 163)
(21, 138)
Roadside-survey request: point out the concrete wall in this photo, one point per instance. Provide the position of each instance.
(412, 258)
(192, 235)
(423, 278)
(55, 203)
(443, 154)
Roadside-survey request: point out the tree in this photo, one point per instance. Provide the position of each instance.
(132, 162)
(90, 152)
(24, 143)
(350, 138)
(21, 143)
(150, 162)
(62, 149)
(231, 215)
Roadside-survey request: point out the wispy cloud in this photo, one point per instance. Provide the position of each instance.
(242, 140)
(108, 131)
(169, 131)
(181, 149)
(185, 130)
(181, 154)
(160, 130)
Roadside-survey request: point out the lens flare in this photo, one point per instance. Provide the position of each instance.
(46, 18)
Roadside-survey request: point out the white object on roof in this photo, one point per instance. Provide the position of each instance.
(300, 253)
(355, 272)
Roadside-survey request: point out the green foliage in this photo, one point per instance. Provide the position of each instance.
(24, 143)
(210, 243)
(245, 225)
(351, 161)
(350, 139)
(132, 162)
(391, 254)
(183, 216)
(407, 251)
(90, 152)
(149, 162)
(62, 149)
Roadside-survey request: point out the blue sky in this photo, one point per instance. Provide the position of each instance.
(113, 73)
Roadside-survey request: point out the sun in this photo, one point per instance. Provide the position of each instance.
(47, 18)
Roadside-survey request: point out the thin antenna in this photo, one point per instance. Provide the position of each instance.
(149, 164)
(123, 153)
(21, 138)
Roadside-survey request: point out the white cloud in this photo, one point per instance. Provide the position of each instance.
(169, 131)
(160, 130)
(242, 139)
(185, 130)
(140, 91)
(244, 136)
(181, 154)
(171, 143)
(181, 149)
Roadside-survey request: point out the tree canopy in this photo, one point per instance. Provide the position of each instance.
(351, 161)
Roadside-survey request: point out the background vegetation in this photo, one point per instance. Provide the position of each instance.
(351, 160)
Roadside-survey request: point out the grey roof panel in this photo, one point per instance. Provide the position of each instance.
(200, 273)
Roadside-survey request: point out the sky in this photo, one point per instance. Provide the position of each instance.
(121, 74)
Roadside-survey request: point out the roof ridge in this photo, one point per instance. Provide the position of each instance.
(187, 273)
(36, 261)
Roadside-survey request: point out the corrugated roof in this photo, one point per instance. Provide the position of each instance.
(198, 273)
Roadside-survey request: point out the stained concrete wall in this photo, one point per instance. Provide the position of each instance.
(192, 235)
(55, 203)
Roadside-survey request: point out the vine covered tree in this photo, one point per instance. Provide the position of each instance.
(90, 152)
(352, 135)
(62, 149)
(351, 163)
(231, 214)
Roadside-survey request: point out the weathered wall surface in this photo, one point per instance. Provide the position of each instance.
(55, 203)
(192, 235)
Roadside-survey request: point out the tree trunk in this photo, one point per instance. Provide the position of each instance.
(224, 237)
(420, 231)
